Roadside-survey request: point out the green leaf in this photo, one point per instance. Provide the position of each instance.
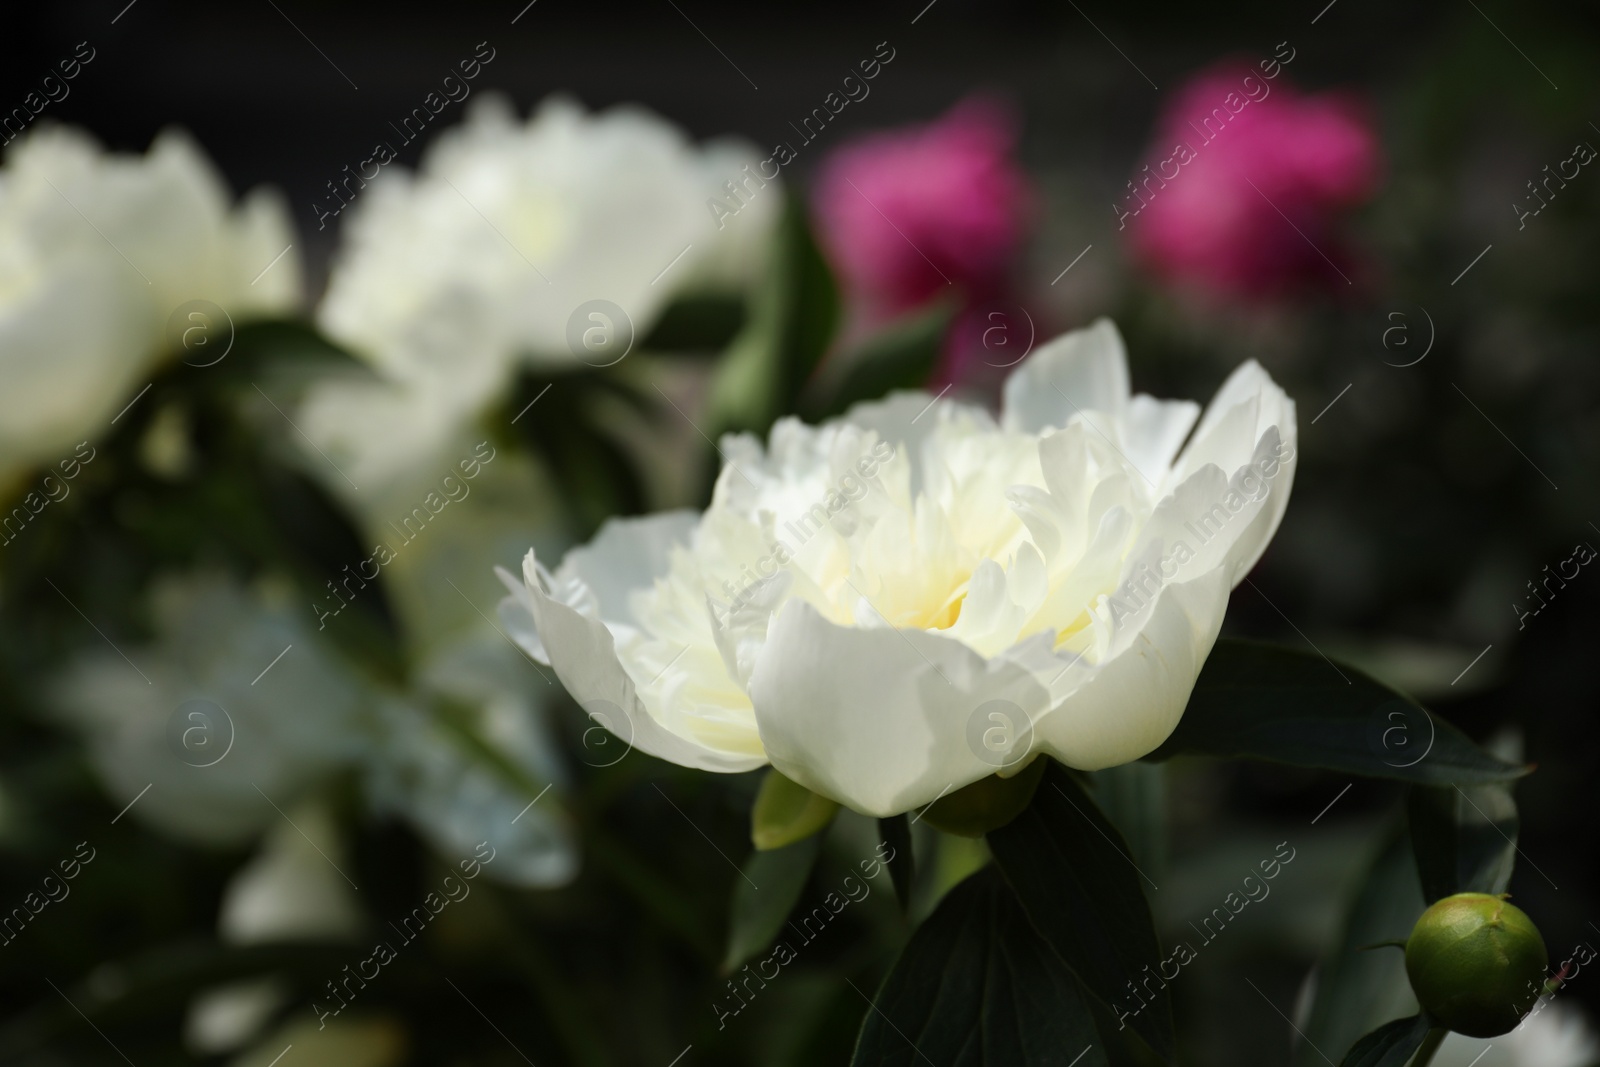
(977, 986)
(764, 897)
(900, 356)
(895, 832)
(1391, 1045)
(1134, 798)
(1357, 986)
(262, 340)
(1077, 880)
(701, 322)
(594, 472)
(1465, 840)
(786, 812)
(792, 322)
(1257, 701)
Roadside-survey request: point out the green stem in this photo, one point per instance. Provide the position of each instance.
(1430, 1045)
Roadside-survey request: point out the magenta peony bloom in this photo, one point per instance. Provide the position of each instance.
(908, 213)
(1239, 162)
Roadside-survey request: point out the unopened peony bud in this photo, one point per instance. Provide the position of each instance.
(1476, 963)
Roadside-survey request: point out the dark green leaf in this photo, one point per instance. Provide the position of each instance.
(1465, 840)
(1257, 701)
(1077, 880)
(765, 896)
(697, 323)
(1390, 1045)
(896, 833)
(1134, 797)
(976, 986)
(1121, 1049)
(595, 473)
(792, 321)
(1358, 987)
(901, 356)
(281, 339)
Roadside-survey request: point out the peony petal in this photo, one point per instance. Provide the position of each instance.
(1129, 703)
(1250, 422)
(626, 555)
(1086, 370)
(583, 653)
(516, 616)
(1249, 387)
(1212, 521)
(1272, 455)
(1152, 432)
(879, 719)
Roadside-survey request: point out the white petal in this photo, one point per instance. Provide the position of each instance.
(1086, 370)
(908, 420)
(1272, 454)
(516, 616)
(1247, 404)
(627, 554)
(583, 653)
(1153, 430)
(1248, 380)
(1130, 703)
(1250, 422)
(878, 719)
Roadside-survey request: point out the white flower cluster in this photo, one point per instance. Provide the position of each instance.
(447, 281)
(450, 279)
(96, 252)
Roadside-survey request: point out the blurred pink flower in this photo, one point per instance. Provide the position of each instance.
(906, 213)
(1239, 163)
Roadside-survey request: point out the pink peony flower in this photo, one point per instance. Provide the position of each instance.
(909, 212)
(1239, 163)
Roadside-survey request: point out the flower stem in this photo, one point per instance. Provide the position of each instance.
(1430, 1045)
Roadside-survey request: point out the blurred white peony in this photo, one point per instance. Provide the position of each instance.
(248, 712)
(903, 601)
(218, 742)
(449, 279)
(1555, 1035)
(96, 253)
(521, 222)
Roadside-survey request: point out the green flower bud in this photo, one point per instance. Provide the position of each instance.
(987, 804)
(1476, 963)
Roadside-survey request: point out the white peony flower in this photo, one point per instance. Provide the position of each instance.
(449, 279)
(239, 711)
(389, 434)
(198, 716)
(96, 253)
(900, 602)
(514, 225)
